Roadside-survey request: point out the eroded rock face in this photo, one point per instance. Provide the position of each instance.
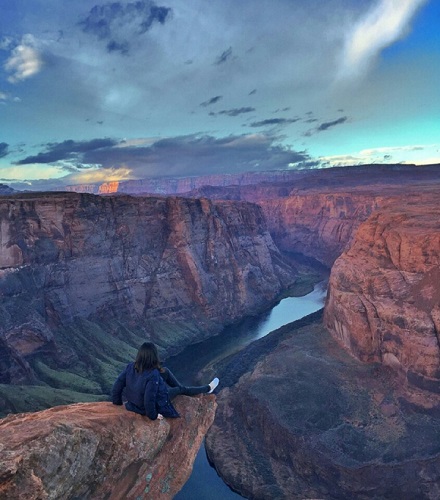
(317, 212)
(310, 421)
(170, 269)
(384, 296)
(98, 450)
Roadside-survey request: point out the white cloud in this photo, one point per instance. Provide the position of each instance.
(385, 23)
(419, 154)
(25, 60)
(5, 43)
(26, 172)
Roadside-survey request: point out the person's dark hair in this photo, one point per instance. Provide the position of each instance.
(147, 358)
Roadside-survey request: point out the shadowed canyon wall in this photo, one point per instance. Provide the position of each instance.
(308, 420)
(85, 279)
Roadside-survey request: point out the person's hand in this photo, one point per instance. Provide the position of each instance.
(159, 416)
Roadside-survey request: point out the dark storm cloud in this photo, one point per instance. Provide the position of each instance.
(274, 121)
(67, 150)
(234, 111)
(195, 155)
(116, 21)
(222, 58)
(325, 126)
(213, 100)
(4, 149)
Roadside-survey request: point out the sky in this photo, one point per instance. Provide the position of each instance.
(94, 92)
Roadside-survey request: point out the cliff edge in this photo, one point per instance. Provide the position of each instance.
(383, 303)
(308, 420)
(98, 450)
(84, 280)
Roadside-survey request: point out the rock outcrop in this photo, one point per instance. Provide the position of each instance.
(383, 303)
(308, 420)
(85, 279)
(98, 450)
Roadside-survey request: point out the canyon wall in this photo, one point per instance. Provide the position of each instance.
(384, 297)
(85, 279)
(98, 450)
(307, 420)
(318, 212)
(314, 212)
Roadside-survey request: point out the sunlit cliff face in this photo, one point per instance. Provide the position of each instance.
(108, 187)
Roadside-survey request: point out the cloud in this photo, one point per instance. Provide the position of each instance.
(224, 56)
(195, 155)
(67, 150)
(274, 121)
(118, 22)
(234, 111)
(213, 100)
(177, 156)
(420, 154)
(325, 125)
(122, 47)
(5, 42)
(25, 60)
(385, 23)
(4, 149)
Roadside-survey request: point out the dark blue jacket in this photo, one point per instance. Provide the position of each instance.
(146, 393)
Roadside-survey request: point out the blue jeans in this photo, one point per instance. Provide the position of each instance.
(175, 387)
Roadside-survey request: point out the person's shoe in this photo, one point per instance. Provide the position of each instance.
(213, 384)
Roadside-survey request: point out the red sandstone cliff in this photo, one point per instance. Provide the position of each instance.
(384, 296)
(98, 450)
(77, 271)
(318, 212)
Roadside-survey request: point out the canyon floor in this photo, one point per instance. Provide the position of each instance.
(307, 420)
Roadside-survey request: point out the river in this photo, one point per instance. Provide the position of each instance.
(199, 360)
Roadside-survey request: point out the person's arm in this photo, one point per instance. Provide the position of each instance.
(150, 396)
(118, 387)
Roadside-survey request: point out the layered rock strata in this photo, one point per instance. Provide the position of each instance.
(86, 279)
(383, 303)
(98, 450)
(314, 212)
(321, 222)
(308, 420)
(318, 212)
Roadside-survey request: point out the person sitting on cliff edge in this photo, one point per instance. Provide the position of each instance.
(149, 387)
